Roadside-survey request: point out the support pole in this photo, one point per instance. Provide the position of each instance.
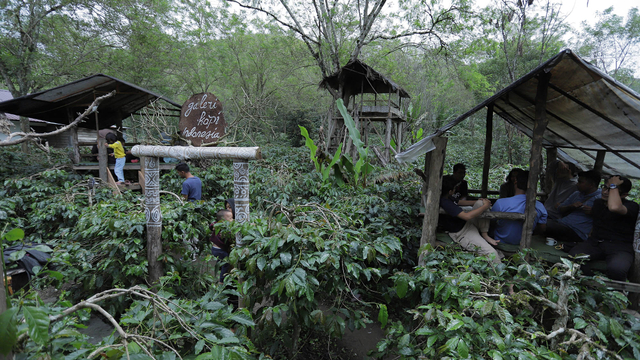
(153, 215)
(599, 161)
(534, 161)
(487, 152)
(103, 160)
(387, 140)
(634, 274)
(433, 168)
(399, 136)
(552, 155)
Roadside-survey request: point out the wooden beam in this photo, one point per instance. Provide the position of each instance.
(552, 155)
(433, 168)
(534, 161)
(487, 151)
(599, 161)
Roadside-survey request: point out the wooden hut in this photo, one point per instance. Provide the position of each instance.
(370, 98)
(568, 107)
(62, 104)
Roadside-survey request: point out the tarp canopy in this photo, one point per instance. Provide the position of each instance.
(587, 110)
(61, 103)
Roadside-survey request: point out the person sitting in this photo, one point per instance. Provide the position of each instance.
(510, 231)
(464, 227)
(576, 222)
(508, 189)
(614, 223)
(221, 245)
(461, 190)
(564, 184)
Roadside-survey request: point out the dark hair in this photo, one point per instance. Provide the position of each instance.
(459, 166)
(592, 176)
(513, 171)
(220, 214)
(111, 137)
(522, 180)
(182, 167)
(625, 187)
(448, 184)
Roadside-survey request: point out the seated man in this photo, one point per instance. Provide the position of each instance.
(465, 228)
(461, 190)
(576, 223)
(564, 184)
(614, 222)
(510, 231)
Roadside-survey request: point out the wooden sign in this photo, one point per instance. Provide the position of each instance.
(201, 119)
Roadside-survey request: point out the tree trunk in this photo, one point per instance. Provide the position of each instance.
(433, 167)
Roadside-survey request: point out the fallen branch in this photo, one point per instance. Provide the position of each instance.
(32, 136)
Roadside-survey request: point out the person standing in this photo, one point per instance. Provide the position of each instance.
(118, 153)
(192, 185)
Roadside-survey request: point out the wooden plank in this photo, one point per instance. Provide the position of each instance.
(487, 151)
(112, 183)
(491, 215)
(534, 162)
(599, 161)
(127, 166)
(434, 166)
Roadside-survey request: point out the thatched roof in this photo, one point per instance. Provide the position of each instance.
(358, 77)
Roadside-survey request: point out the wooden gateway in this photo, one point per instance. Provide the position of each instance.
(380, 101)
(566, 106)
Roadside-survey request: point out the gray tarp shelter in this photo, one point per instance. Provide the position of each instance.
(569, 107)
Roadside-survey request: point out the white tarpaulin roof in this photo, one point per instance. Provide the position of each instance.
(587, 111)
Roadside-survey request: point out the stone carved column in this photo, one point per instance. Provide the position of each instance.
(241, 193)
(153, 215)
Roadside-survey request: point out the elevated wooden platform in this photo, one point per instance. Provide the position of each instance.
(128, 166)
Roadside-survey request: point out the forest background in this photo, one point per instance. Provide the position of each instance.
(316, 264)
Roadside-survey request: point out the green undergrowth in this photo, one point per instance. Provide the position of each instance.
(316, 258)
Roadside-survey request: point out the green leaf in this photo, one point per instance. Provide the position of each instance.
(15, 256)
(13, 235)
(383, 315)
(463, 349)
(8, 330)
(312, 147)
(432, 340)
(579, 323)
(616, 328)
(285, 258)
(262, 262)
(38, 322)
(486, 309)
(401, 286)
(455, 325)
(242, 319)
(199, 346)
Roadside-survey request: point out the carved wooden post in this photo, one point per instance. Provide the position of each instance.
(434, 165)
(534, 162)
(487, 152)
(241, 192)
(153, 215)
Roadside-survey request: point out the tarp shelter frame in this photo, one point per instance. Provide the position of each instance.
(570, 108)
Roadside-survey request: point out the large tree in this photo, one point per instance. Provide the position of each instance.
(335, 32)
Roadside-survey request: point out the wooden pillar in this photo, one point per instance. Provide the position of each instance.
(552, 155)
(634, 274)
(599, 161)
(534, 161)
(73, 139)
(487, 152)
(387, 140)
(103, 160)
(433, 168)
(153, 215)
(241, 197)
(399, 137)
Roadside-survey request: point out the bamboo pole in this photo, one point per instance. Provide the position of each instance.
(487, 152)
(534, 162)
(599, 161)
(433, 168)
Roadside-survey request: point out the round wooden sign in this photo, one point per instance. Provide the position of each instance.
(201, 119)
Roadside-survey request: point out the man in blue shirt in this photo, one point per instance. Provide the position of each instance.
(192, 186)
(510, 231)
(576, 221)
